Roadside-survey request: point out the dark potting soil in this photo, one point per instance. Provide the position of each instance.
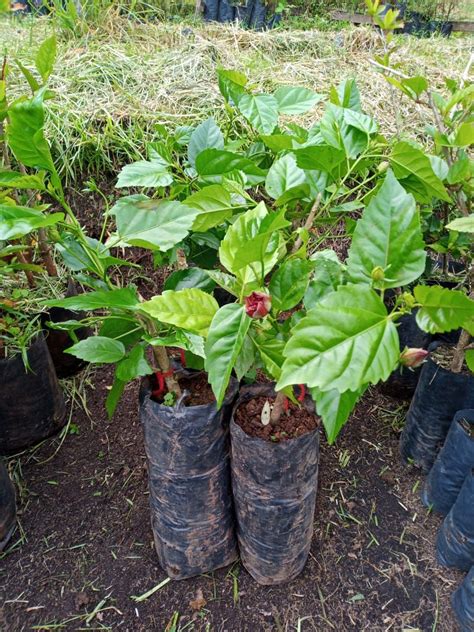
(297, 422)
(198, 387)
(443, 355)
(87, 546)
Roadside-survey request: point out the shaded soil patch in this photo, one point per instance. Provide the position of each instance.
(87, 543)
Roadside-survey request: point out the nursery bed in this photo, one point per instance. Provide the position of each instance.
(87, 545)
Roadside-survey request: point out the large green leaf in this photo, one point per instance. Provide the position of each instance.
(124, 298)
(462, 224)
(17, 221)
(45, 57)
(271, 354)
(346, 95)
(189, 309)
(16, 180)
(98, 349)
(319, 157)
(293, 100)
(338, 134)
(145, 173)
(152, 224)
(413, 166)
(284, 174)
(289, 283)
(133, 365)
(335, 408)
(223, 345)
(212, 164)
(261, 111)
(388, 235)
(213, 204)
(205, 136)
(190, 277)
(442, 309)
(346, 341)
(231, 84)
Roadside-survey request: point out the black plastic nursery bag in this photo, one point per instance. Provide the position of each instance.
(463, 603)
(454, 462)
(7, 507)
(274, 487)
(31, 402)
(189, 479)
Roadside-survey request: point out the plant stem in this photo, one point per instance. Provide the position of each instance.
(308, 223)
(46, 253)
(161, 356)
(278, 408)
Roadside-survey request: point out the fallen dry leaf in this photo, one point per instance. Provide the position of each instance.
(198, 602)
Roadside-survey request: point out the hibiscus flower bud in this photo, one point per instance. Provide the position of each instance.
(377, 274)
(413, 357)
(258, 304)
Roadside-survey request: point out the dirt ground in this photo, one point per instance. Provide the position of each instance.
(84, 548)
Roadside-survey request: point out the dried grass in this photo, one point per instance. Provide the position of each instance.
(119, 80)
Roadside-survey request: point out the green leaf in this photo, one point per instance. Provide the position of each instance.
(205, 136)
(17, 221)
(462, 224)
(293, 100)
(442, 309)
(464, 135)
(347, 95)
(123, 298)
(289, 283)
(284, 174)
(189, 309)
(335, 409)
(346, 341)
(231, 84)
(338, 134)
(328, 275)
(16, 180)
(145, 173)
(123, 328)
(213, 204)
(360, 121)
(113, 397)
(261, 111)
(215, 163)
(470, 359)
(319, 157)
(246, 359)
(133, 365)
(277, 142)
(98, 349)
(29, 76)
(223, 345)
(225, 281)
(153, 223)
(408, 161)
(45, 57)
(191, 277)
(388, 235)
(271, 355)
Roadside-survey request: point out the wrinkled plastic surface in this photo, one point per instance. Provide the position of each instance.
(31, 402)
(274, 487)
(403, 381)
(463, 603)
(7, 507)
(438, 396)
(454, 462)
(66, 365)
(189, 479)
(455, 543)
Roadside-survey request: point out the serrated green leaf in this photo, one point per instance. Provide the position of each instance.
(284, 174)
(133, 365)
(153, 223)
(335, 409)
(293, 100)
(189, 309)
(213, 164)
(98, 349)
(223, 345)
(462, 224)
(213, 204)
(346, 341)
(360, 121)
(347, 95)
(442, 309)
(388, 235)
(288, 284)
(45, 57)
(145, 173)
(122, 298)
(408, 161)
(206, 135)
(261, 111)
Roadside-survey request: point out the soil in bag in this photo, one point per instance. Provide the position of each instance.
(463, 603)
(455, 543)
(438, 396)
(274, 479)
(187, 448)
(454, 462)
(31, 402)
(403, 381)
(7, 507)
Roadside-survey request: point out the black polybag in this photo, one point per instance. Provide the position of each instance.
(65, 364)
(438, 396)
(455, 542)
(189, 479)
(463, 603)
(252, 14)
(7, 507)
(274, 487)
(31, 402)
(454, 461)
